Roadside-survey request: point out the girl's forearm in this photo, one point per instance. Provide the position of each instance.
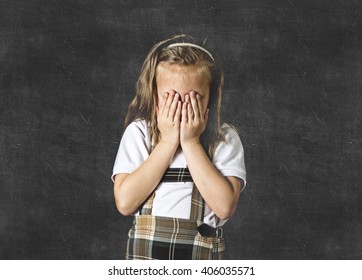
(131, 190)
(220, 193)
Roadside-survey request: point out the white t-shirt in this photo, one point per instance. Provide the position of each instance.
(174, 199)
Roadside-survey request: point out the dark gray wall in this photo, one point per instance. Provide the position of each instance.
(293, 90)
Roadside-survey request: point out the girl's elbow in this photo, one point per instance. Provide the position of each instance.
(124, 205)
(124, 208)
(225, 212)
(123, 211)
(224, 215)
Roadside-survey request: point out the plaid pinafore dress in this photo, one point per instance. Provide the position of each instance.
(154, 237)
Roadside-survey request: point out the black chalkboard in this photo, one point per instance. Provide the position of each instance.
(293, 90)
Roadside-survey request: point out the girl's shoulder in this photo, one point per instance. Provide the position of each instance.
(228, 132)
(230, 138)
(137, 126)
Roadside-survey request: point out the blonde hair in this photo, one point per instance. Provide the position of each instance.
(144, 104)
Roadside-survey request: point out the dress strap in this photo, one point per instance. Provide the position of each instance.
(178, 175)
(197, 205)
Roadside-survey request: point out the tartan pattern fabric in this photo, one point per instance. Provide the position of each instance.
(146, 208)
(197, 205)
(164, 238)
(177, 175)
(154, 237)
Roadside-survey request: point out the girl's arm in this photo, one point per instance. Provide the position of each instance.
(219, 192)
(131, 190)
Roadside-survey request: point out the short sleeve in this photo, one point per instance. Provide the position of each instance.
(229, 155)
(133, 150)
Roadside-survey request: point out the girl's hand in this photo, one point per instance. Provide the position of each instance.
(168, 117)
(194, 119)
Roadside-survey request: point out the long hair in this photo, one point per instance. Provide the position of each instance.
(144, 104)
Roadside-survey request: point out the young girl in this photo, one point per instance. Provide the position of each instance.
(178, 171)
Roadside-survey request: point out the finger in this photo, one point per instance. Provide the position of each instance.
(188, 107)
(178, 112)
(187, 98)
(206, 117)
(169, 100)
(173, 106)
(199, 104)
(190, 112)
(184, 117)
(195, 107)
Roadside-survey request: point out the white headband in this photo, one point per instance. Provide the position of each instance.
(191, 45)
